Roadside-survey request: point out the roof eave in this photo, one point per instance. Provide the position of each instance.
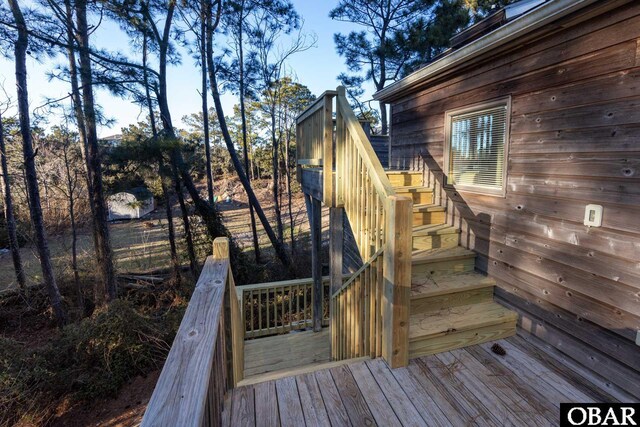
(537, 18)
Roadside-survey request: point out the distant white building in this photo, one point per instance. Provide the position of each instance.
(111, 140)
(130, 204)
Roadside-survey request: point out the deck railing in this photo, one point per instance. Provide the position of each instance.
(314, 140)
(369, 314)
(280, 307)
(206, 358)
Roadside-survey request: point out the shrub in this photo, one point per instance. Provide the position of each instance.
(88, 360)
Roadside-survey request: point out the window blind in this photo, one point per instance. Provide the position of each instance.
(477, 148)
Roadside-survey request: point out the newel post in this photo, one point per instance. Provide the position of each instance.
(339, 151)
(233, 327)
(327, 152)
(221, 248)
(397, 282)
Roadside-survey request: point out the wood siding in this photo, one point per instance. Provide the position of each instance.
(380, 144)
(575, 140)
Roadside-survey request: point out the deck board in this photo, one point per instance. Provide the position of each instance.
(289, 403)
(313, 407)
(331, 398)
(375, 398)
(443, 378)
(395, 394)
(266, 404)
(243, 410)
(471, 386)
(270, 354)
(425, 402)
(357, 408)
(522, 389)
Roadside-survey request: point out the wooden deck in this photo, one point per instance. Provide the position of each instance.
(285, 352)
(471, 386)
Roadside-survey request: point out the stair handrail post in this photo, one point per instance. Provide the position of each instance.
(397, 282)
(339, 149)
(233, 327)
(328, 195)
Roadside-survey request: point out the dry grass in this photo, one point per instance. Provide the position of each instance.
(136, 246)
(142, 245)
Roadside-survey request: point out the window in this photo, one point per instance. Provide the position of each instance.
(476, 145)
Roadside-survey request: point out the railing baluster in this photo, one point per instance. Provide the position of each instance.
(282, 319)
(251, 301)
(267, 310)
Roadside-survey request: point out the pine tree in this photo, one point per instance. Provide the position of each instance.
(397, 35)
(10, 218)
(213, 10)
(100, 211)
(20, 53)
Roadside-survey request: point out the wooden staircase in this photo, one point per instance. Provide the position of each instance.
(451, 304)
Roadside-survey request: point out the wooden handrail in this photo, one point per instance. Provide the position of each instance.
(205, 360)
(314, 141)
(365, 150)
(381, 225)
(354, 179)
(358, 272)
(315, 105)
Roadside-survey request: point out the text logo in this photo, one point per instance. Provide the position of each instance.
(599, 414)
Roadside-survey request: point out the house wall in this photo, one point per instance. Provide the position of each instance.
(575, 140)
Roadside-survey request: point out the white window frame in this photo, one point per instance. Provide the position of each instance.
(449, 115)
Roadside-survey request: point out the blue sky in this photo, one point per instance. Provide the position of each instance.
(317, 68)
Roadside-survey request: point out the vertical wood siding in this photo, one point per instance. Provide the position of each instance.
(575, 140)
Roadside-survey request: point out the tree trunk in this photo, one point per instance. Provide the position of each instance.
(205, 109)
(175, 262)
(213, 84)
(100, 207)
(71, 183)
(82, 134)
(204, 208)
(30, 166)
(245, 150)
(383, 118)
(193, 264)
(10, 217)
(275, 166)
(287, 172)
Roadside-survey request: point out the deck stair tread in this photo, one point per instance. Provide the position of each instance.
(457, 319)
(428, 207)
(441, 255)
(412, 189)
(402, 172)
(427, 287)
(434, 229)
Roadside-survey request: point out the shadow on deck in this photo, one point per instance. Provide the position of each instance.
(460, 387)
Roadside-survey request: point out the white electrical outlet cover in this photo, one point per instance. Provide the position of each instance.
(593, 215)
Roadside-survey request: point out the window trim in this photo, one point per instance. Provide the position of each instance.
(449, 114)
